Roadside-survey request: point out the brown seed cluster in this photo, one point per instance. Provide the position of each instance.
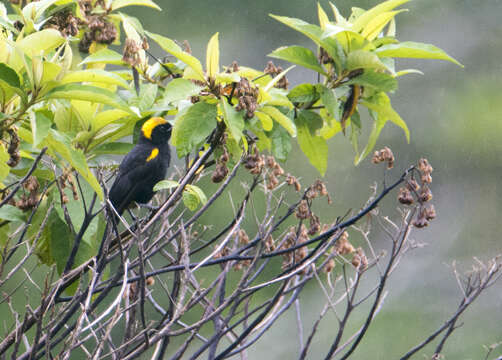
(255, 162)
(274, 170)
(131, 52)
(221, 170)
(29, 200)
(98, 28)
(384, 155)
(222, 253)
(66, 179)
(315, 225)
(243, 239)
(359, 260)
(273, 71)
(234, 67)
(292, 240)
(425, 171)
(421, 193)
(247, 97)
(13, 149)
(291, 180)
(318, 189)
(65, 22)
(343, 245)
(303, 210)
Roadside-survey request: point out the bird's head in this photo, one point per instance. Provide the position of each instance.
(157, 130)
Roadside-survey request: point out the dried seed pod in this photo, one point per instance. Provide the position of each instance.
(425, 194)
(243, 237)
(131, 52)
(220, 173)
(430, 212)
(382, 155)
(343, 246)
(420, 222)
(404, 196)
(359, 260)
(315, 225)
(412, 185)
(424, 166)
(278, 171)
(303, 211)
(329, 266)
(269, 243)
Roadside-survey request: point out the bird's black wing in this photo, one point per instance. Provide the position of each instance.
(133, 172)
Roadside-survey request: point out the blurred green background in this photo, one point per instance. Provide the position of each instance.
(455, 119)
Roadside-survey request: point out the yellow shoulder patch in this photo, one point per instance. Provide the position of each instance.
(153, 154)
(150, 124)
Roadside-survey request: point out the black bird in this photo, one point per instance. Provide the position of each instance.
(144, 166)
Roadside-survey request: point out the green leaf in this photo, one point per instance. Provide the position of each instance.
(278, 97)
(328, 99)
(227, 78)
(372, 13)
(410, 49)
(192, 126)
(300, 56)
(50, 72)
(147, 96)
(378, 125)
(176, 90)
(107, 117)
(377, 80)
(104, 56)
(310, 119)
(117, 4)
(282, 119)
(331, 128)
(384, 40)
(190, 200)
(9, 76)
(347, 38)
(88, 93)
(380, 103)
(281, 143)
(266, 121)
(170, 46)
(360, 59)
(304, 93)
(376, 25)
(165, 185)
(43, 40)
(323, 17)
(40, 125)
(408, 71)
(213, 56)
(115, 148)
(313, 146)
(193, 196)
(234, 119)
(316, 34)
(61, 144)
(94, 75)
(338, 17)
(11, 213)
(4, 157)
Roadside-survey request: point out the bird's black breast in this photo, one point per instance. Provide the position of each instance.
(144, 166)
